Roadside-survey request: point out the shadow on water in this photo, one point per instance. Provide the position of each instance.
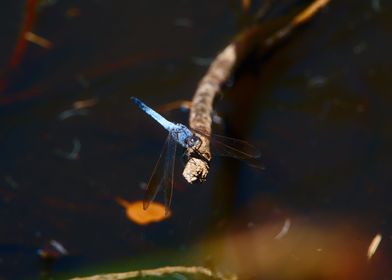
(318, 108)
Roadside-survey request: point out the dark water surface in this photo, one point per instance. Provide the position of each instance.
(318, 108)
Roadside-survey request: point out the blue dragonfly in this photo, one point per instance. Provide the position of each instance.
(162, 175)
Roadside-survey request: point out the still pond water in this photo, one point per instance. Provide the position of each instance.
(318, 108)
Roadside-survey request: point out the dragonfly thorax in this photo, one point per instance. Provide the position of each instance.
(183, 135)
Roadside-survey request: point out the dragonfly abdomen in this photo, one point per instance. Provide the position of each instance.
(161, 120)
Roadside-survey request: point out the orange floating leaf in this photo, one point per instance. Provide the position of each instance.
(135, 212)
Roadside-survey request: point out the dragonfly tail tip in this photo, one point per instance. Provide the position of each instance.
(137, 102)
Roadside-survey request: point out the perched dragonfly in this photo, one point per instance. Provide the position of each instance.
(162, 175)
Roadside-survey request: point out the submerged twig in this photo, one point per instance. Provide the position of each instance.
(74, 154)
(79, 108)
(196, 169)
(159, 272)
(36, 39)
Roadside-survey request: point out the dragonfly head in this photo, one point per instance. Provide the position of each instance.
(193, 141)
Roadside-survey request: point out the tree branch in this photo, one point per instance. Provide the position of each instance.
(196, 168)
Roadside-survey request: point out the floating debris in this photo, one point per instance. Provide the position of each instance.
(70, 113)
(52, 250)
(74, 154)
(284, 230)
(156, 212)
(374, 245)
(78, 109)
(317, 82)
(81, 104)
(40, 41)
(59, 247)
(360, 48)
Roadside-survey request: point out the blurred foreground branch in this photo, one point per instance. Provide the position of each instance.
(159, 272)
(196, 168)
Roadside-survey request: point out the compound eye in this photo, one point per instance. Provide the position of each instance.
(194, 141)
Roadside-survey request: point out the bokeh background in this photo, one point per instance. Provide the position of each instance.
(318, 107)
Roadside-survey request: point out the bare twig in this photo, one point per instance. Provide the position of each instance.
(196, 169)
(159, 272)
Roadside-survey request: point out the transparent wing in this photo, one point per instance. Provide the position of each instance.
(231, 147)
(155, 182)
(235, 148)
(169, 172)
(225, 146)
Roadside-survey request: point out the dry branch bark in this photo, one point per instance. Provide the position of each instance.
(196, 168)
